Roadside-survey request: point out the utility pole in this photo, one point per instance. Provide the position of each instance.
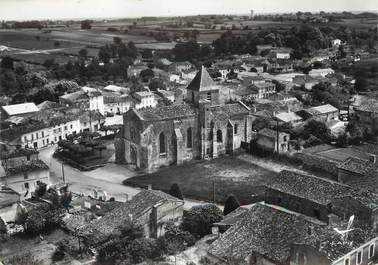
(277, 132)
(213, 191)
(63, 177)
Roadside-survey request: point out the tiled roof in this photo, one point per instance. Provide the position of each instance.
(74, 96)
(49, 105)
(202, 81)
(268, 133)
(332, 245)
(233, 217)
(362, 167)
(13, 133)
(8, 197)
(167, 112)
(288, 116)
(27, 166)
(327, 108)
(22, 108)
(370, 105)
(226, 111)
(308, 187)
(265, 230)
(20, 152)
(135, 208)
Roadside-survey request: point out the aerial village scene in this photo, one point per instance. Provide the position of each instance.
(203, 132)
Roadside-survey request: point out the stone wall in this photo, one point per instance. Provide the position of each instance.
(297, 204)
(317, 162)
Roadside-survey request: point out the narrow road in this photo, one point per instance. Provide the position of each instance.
(108, 178)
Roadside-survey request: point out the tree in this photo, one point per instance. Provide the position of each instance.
(146, 74)
(147, 54)
(104, 54)
(86, 24)
(187, 51)
(41, 189)
(317, 129)
(49, 62)
(7, 63)
(260, 123)
(361, 84)
(156, 84)
(232, 203)
(83, 53)
(175, 191)
(199, 219)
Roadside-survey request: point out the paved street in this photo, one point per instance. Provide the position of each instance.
(108, 178)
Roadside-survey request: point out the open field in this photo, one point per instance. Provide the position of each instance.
(40, 58)
(230, 175)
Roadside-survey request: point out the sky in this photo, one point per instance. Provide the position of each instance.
(67, 9)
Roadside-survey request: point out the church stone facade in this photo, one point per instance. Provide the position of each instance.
(198, 129)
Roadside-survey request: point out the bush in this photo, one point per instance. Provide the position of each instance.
(199, 219)
(59, 252)
(175, 239)
(144, 248)
(232, 203)
(175, 191)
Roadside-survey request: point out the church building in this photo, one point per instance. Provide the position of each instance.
(201, 128)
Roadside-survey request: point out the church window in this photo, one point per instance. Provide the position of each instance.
(208, 96)
(189, 138)
(162, 143)
(236, 128)
(219, 136)
(133, 133)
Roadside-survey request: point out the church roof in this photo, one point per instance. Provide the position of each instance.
(202, 81)
(167, 112)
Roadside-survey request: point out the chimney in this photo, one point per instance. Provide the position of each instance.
(127, 197)
(373, 159)
(149, 187)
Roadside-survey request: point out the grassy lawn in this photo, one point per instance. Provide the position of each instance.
(231, 175)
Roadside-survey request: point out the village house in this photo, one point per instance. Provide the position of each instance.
(312, 197)
(264, 234)
(173, 134)
(266, 139)
(144, 99)
(87, 99)
(321, 72)
(262, 89)
(166, 94)
(116, 104)
(267, 234)
(305, 80)
(18, 110)
(367, 114)
(152, 209)
(357, 170)
(325, 113)
(263, 48)
(281, 53)
(179, 67)
(319, 198)
(8, 204)
(289, 117)
(21, 169)
(136, 69)
(336, 251)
